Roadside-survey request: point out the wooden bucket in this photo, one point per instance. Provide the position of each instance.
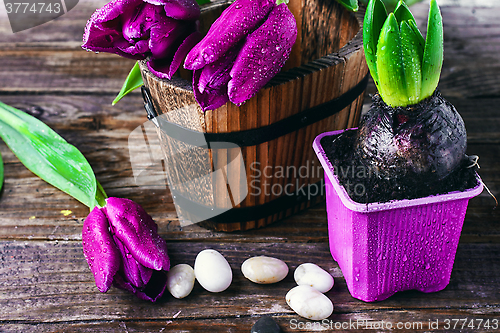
(321, 88)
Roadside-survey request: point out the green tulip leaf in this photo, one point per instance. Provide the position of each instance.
(132, 82)
(374, 20)
(351, 5)
(202, 2)
(48, 155)
(390, 69)
(433, 52)
(412, 60)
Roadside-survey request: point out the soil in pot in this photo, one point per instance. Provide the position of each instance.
(364, 186)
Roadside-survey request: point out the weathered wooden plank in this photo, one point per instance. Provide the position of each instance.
(49, 282)
(66, 28)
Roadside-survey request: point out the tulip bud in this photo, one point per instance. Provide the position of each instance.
(122, 247)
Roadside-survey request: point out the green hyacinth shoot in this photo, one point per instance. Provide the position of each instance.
(405, 66)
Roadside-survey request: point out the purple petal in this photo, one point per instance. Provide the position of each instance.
(235, 23)
(120, 282)
(133, 272)
(138, 232)
(263, 54)
(165, 69)
(183, 50)
(140, 48)
(97, 40)
(99, 249)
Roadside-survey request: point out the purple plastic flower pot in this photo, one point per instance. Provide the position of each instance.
(383, 248)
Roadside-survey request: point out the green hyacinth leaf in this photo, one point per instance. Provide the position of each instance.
(412, 60)
(48, 155)
(433, 52)
(375, 17)
(132, 82)
(392, 85)
(351, 5)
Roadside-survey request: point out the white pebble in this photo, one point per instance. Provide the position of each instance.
(264, 269)
(312, 275)
(309, 303)
(180, 280)
(212, 271)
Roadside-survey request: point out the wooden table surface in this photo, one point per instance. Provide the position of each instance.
(45, 283)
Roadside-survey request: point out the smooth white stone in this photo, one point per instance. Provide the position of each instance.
(212, 271)
(309, 303)
(312, 275)
(264, 269)
(180, 280)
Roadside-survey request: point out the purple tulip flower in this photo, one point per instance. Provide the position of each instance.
(122, 247)
(244, 48)
(164, 30)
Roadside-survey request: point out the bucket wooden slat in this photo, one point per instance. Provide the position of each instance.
(326, 61)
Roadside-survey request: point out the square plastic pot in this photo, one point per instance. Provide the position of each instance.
(383, 248)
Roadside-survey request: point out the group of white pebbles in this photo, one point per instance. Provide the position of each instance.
(214, 274)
